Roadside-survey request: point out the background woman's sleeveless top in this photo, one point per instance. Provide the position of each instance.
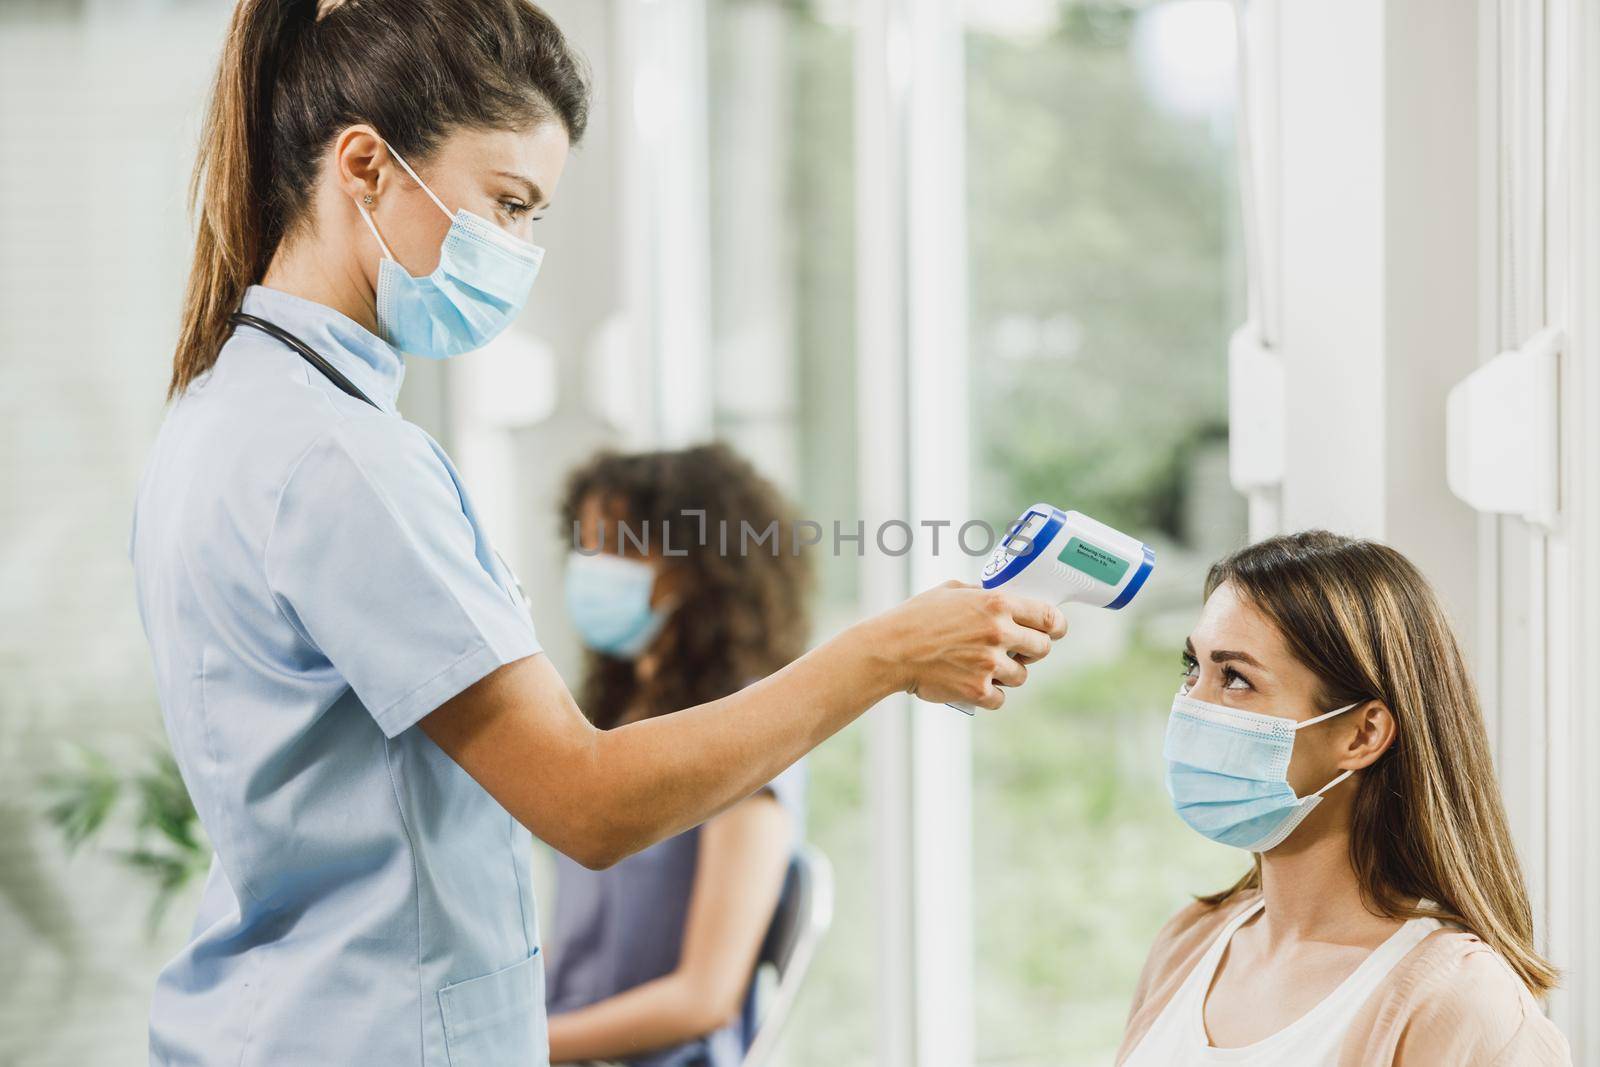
(623, 926)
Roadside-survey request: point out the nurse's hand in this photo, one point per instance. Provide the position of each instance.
(960, 642)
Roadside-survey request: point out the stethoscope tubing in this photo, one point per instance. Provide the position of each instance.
(306, 352)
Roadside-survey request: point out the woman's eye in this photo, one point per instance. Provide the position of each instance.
(1231, 679)
(515, 209)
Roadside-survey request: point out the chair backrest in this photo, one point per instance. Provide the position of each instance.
(805, 911)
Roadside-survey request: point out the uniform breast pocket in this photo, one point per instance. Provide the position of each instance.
(498, 1019)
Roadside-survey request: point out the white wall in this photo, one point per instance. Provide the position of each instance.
(97, 125)
(1378, 271)
(1435, 170)
(1539, 103)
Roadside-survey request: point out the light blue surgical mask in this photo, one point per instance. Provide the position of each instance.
(481, 283)
(1227, 772)
(608, 600)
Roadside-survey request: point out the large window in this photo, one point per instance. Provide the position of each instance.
(1103, 269)
(783, 300)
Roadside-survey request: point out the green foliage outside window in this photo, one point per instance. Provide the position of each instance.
(91, 799)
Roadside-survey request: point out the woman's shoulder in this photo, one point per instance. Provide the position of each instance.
(1454, 970)
(1196, 923)
(1455, 999)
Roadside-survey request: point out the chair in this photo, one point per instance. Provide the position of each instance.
(805, 911)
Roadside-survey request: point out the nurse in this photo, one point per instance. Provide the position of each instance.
(348, 675)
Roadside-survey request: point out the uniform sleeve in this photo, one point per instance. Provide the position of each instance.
(372, 558)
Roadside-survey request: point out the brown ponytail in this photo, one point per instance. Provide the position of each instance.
(230, 237)
(291, 78)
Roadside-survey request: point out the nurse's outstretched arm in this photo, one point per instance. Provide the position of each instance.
(601, 795)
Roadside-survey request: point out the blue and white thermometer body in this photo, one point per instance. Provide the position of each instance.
(1067, 557)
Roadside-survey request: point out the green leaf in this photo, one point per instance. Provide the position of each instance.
(82, 797)
(164, 804)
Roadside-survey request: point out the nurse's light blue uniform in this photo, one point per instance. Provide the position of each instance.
(313, 580)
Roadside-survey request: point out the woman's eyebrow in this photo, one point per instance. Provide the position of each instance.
(1222, 655)
(534, 193)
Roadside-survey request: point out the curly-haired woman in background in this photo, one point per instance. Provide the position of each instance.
(650, 960)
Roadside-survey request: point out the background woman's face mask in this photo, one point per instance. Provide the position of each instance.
(1227, 772)
(481, 283)
(608, 600)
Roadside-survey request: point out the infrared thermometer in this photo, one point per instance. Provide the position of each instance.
(1066, 557)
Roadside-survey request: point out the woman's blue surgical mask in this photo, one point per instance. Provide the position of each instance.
(608, 599)
(1227, 772)
(482, 280)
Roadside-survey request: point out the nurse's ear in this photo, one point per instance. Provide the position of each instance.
(367, 175)
(1374, 731)
(360, 160)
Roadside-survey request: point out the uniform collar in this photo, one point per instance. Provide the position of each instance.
(371, 364)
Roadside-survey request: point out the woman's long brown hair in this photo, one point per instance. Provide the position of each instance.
(294, 73)
(745, 613)
(1428, 822)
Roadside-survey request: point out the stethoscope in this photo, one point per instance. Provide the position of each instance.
(307, 353)
(329, 371)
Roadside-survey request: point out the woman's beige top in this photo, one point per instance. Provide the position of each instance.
(1451, 1000)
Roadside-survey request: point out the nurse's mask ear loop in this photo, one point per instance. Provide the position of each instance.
(398, 158)
(366, 217)
(367, 200)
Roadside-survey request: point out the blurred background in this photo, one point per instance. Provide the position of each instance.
(930, 261)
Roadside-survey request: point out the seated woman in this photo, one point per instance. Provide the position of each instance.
(1328, 724)
(651, 960)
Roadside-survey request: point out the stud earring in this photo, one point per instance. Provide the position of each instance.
(367, 200)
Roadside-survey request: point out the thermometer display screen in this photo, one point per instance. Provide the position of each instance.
(1094, 561)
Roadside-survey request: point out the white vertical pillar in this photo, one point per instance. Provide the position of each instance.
(914, 444)
(1574, 926)
(1330, 99)
(753, 258)
(1377, 148)
(664, 185)
(1256, 419)
(1515, 686)
(940, 447)
(882, 86)
(1547, 77)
